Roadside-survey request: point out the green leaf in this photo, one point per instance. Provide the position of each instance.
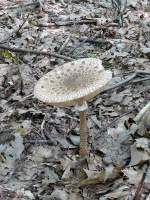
(7, 54)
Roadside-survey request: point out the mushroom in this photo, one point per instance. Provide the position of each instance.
(74, 83)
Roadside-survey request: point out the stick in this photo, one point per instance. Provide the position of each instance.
(140, 80)
(14, 49)
(63, 3)
(15, 32)
(120, 83)
(85, 40)
(137, 73)
(113, 122)
(69, 23)
(103, 40)
(20, 27)
(138, 191)
(90, 40)
(64, 45)
(142, 113)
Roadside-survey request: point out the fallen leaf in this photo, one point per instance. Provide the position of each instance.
(134, 177)
(138, 156)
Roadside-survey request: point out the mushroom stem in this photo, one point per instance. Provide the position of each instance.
(83, 135)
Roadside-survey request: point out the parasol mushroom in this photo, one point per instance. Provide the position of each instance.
(74, 83)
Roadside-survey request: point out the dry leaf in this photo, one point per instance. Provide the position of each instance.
(138, 156)
(134, 177)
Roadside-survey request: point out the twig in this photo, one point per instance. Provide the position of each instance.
(20, 27)
(103, 40)
(142, 113)
(140, 72)
(90, 40)
(87, 39)
(63, 3)
(42, 125)
(64, 45)
(136, 74)
(39, 141)
(105, 26)
(120, 8)
(69, 23)
(48, 25)
(140, 80)
(78, 45)
(114, 121)
(15, 32)
(120, 83)
(14, 49)
(137, 193)
(26, 97)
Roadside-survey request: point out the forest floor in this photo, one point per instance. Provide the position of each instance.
(39, 144)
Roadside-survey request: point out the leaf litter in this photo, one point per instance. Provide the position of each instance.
(39, 144)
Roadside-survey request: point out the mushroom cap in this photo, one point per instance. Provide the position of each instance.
(73, 82)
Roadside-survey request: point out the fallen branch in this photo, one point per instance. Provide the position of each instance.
(102, 129)
(141, 80)
(137, 195)
(44, 53)
(20, 27)
(124, 82)
(93, 41)
(103, 40)
(69, 23)
(142, 113)
(47, 25)
(64, 45)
